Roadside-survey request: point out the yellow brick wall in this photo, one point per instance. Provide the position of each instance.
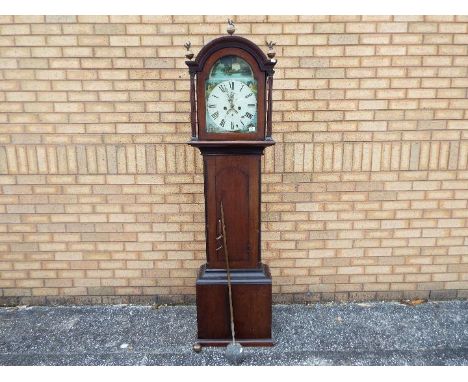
(365, 193)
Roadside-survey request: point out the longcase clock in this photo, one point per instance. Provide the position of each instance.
(231, 101)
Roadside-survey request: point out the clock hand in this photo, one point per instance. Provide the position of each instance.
(231, 100)
(233, 109)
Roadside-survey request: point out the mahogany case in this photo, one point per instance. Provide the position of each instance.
(232, 174)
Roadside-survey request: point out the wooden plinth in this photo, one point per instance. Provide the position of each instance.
(251, 298)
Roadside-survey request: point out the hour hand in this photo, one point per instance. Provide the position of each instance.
(231, 100)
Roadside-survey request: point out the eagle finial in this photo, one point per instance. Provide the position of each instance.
(271, 49)
(189, 53)
(231, 27)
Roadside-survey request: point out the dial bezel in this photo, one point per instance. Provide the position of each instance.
(259, 76)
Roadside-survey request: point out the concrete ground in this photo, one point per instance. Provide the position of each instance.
(381, 333)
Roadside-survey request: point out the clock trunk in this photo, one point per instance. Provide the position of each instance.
(232, 175)
(233, 180)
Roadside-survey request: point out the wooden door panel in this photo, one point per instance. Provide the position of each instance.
(232, 188)
(234, 180)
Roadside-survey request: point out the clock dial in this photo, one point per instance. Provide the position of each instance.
(232, 107)
(231, 97)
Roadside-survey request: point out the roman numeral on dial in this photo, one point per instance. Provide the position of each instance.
(215, 115)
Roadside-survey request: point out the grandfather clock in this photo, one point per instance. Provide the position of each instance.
(231, 98)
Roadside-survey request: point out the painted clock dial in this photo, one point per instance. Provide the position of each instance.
(231, 97)
(232, 107)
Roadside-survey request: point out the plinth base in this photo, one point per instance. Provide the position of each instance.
(251, 299)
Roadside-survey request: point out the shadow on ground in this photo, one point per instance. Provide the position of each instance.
(390, 333)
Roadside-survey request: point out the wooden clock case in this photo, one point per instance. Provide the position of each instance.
(232, 174)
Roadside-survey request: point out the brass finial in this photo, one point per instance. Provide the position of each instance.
(231, 27)
(271, 49)
(189, 53)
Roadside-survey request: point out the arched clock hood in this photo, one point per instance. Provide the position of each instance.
(264, 63)
(198, 69)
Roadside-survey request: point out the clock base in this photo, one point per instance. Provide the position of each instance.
(251, 299)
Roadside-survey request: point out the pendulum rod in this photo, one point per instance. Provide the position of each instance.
(228, 271)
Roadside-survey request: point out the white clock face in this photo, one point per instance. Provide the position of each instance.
(231, 106)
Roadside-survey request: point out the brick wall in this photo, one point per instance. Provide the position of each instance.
(365, 193)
